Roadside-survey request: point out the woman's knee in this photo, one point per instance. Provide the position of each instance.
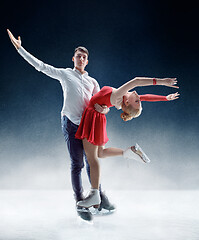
(100, 152)
(90, 150)
(92, 160)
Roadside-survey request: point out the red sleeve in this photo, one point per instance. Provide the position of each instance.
(152, 98)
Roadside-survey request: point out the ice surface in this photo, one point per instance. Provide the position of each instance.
(140, 215)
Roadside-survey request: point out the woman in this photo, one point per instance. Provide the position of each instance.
(92, 129)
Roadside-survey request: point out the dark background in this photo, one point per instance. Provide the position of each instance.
(125, 39)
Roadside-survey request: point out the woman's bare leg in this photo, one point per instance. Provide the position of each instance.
(93, 199)
(134, 152)
(92, 157)
(109, 152)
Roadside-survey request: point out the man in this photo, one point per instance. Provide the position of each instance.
(78, 88)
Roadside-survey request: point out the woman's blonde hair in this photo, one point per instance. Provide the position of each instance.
(132, 113)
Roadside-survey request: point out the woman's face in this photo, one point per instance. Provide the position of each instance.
(131, 98)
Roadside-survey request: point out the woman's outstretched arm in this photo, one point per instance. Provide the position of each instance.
(157, 98)
(145, 81)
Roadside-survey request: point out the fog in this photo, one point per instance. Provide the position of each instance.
(42, 161)
(50, 215)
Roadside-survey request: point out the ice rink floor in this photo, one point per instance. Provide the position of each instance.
(140, 215)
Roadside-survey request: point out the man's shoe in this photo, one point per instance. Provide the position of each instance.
(105, 203)
(84, 213)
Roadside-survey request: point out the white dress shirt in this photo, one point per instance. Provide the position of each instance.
(77, 88)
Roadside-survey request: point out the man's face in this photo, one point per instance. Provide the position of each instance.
(80, 60)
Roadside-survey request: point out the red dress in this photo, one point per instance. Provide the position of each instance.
(93, 124)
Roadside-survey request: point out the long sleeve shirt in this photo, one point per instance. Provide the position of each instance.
(146, 97)
(152, 98)
(77, 88)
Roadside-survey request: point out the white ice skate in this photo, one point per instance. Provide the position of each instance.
(136, 153)
(93, 199)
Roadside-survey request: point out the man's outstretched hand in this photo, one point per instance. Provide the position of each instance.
(15, 42)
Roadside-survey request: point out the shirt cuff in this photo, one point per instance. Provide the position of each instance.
(21, 50)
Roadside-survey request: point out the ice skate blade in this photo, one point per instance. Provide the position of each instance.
(96, 206)
(83, 221)
(144, 157)
(103, 212)
(131, 154)
(88, 206)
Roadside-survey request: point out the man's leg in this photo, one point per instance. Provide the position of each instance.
(69, 130)
(75, 149)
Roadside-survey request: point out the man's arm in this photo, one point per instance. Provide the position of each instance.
(39, 65)
(15, 42)
(101, 109)
(96, 88)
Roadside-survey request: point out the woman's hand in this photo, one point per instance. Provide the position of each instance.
(101, 108)
(169, 82)
(15, 42)
(172, 96)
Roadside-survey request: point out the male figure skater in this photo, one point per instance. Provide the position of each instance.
(78, 88)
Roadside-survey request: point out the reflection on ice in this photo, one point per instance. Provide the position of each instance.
(32, 215)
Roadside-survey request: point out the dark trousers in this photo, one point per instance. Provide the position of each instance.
(77, 155)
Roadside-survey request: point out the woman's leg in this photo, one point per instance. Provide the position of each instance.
(93, 199)
(109, 152)
(134, 152)
(92, 157)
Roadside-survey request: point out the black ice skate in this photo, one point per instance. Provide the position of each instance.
(105, 203)
(84, 213)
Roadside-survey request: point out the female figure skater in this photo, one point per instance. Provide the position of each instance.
(92, 129)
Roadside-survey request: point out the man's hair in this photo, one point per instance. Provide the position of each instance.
(81, 49)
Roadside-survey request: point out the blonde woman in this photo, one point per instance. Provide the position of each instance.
(92, 129)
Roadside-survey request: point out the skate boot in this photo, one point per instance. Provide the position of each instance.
(136, 153)
(93, 199)
(105, 203)
(82, 212)
(141, 153)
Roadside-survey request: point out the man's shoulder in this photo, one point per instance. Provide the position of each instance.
(68, 69)
(92, 79)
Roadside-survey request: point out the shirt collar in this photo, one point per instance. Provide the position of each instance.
(76, 70)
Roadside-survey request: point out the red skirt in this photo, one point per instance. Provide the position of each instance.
(93, 127)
